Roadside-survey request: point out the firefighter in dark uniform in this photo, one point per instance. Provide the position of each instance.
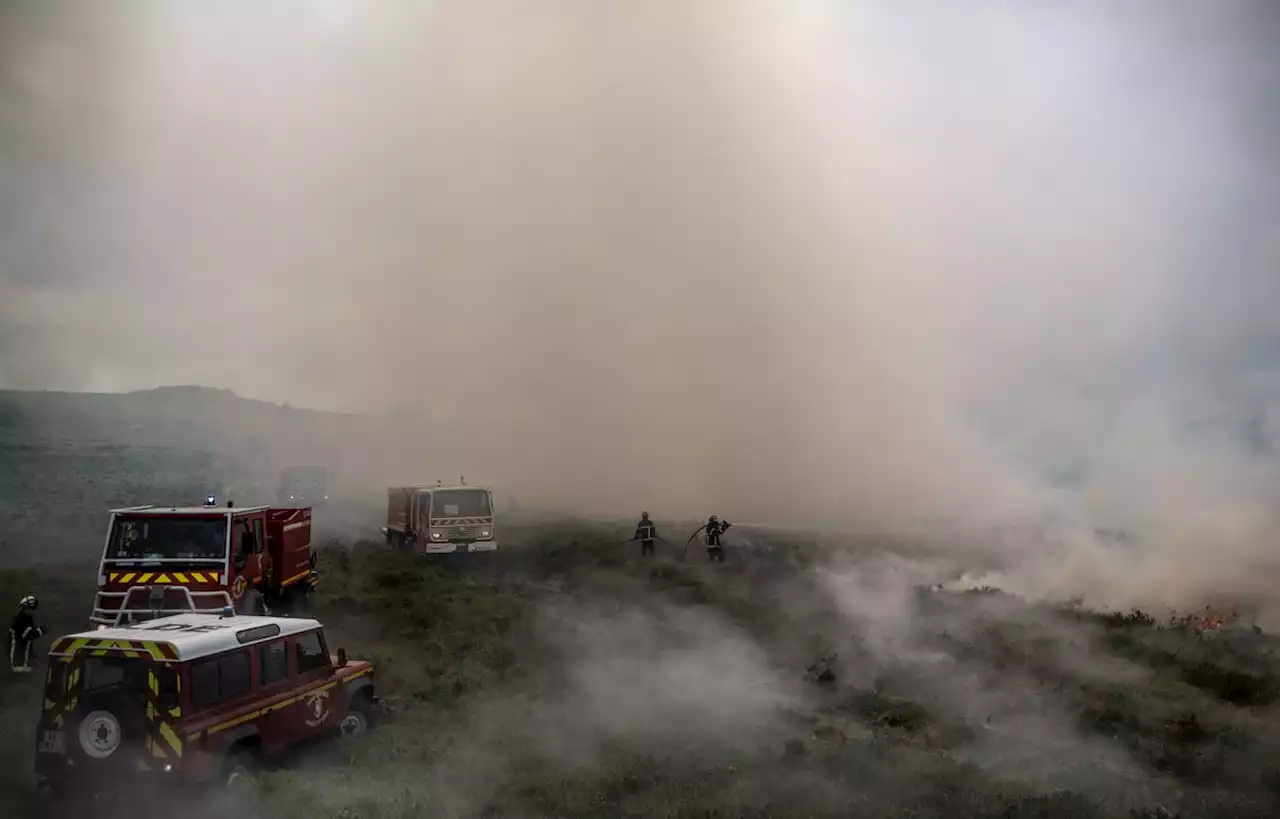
(23, 631)
(714, 529)
(646, 533)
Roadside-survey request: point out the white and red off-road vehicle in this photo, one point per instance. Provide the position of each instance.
(193, 697)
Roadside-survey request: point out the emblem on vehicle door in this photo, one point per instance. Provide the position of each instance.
(317, 708)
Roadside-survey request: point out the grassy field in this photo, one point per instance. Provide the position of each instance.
(570, 678)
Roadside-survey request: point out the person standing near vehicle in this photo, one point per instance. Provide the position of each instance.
(22, 633)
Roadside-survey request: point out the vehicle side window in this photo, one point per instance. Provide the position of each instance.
(274, 663)
(204, 683)
(311, 654)
(233, 674)
(242, 537)
(219, 678)
(167, 679)
(258, 539)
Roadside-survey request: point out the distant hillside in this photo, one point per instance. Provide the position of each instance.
(65, 458)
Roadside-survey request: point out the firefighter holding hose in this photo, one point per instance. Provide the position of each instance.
(714, 528)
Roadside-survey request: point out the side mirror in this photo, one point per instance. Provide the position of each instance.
(342, 658)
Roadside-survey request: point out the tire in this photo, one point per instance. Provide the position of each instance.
(99, 735)
(238, 770)
(360, 718)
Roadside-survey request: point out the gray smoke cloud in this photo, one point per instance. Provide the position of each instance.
(853, 263)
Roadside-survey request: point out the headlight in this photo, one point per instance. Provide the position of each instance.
(484, 534)
(435, 535)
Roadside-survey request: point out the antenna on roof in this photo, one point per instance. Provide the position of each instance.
(463, 480)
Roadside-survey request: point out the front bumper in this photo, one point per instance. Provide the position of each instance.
(448, 547)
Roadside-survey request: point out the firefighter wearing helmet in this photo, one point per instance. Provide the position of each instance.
(23, 631)
(646, 533)
(714, 528)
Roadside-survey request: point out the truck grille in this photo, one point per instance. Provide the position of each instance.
(461, 530)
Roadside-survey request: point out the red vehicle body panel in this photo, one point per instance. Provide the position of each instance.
(289, 544)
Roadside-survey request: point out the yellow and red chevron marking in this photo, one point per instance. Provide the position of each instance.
(71, 646)
(162, 578)
(162, 740)
(459, 521)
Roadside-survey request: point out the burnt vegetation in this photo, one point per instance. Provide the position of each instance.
(480, 700)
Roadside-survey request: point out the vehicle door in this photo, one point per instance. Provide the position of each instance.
(314, 698)
(275, 686)
(422, 515)
(249, 556)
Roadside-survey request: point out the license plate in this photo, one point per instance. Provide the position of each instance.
(52, 742)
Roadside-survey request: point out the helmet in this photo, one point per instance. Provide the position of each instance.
(714, 519)
(644, 515)
(29, 602)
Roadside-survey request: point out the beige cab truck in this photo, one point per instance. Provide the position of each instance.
(440, 519)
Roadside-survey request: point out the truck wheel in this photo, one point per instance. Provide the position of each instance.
(360, 717)
(238, 769)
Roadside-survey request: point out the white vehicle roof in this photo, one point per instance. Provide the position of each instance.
(437, 487)
(152, 511)
(186, 636)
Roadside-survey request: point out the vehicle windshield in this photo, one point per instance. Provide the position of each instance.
(460, 503)
(156, 538)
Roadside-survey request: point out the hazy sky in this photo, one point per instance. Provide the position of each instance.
(915, 258)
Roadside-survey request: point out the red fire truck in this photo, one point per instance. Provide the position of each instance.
(162, 559)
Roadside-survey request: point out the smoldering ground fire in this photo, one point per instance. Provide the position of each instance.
(848, 265)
